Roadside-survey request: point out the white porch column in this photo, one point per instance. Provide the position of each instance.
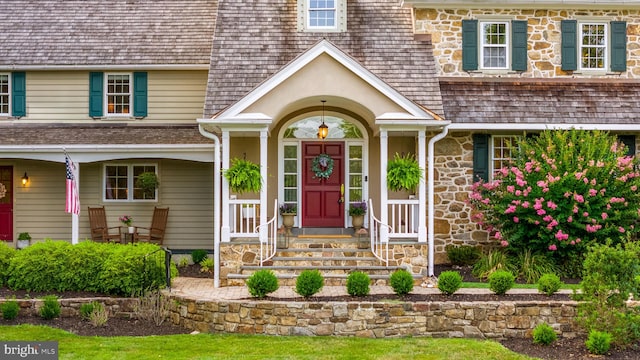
(384, 196)
(75, 218)
(263, 191)
(422, 190)
(225, 230)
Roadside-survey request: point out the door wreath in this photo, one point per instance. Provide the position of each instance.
(322, 166)
(3, 190)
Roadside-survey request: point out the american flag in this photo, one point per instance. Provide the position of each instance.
(72, 204)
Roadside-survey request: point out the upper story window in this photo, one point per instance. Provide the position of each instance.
(5, 95)
(594, 45)
(13, 94)
(322, 15)
(120, 182)
(117, 94)
(494, 45)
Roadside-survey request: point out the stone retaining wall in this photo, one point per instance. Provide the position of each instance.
(491, 319)
(118, 307)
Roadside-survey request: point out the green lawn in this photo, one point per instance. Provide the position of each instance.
(249, 347)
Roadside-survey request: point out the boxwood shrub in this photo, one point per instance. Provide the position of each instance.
(113, 269)
(6, 253)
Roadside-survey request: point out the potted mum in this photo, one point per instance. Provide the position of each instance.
(288, 212)
(357, 211)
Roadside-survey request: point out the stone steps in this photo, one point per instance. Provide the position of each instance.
(335, 258)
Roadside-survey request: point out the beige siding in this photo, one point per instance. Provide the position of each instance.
(185, 187)
(63, 96)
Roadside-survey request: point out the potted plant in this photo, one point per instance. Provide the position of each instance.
(288, 212)
(357, 211)
(148, 182)
(403, 173)
(243, 176)
(24, 239)
(127, 220)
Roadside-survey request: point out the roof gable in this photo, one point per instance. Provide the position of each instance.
(324, 47)
(255, 40)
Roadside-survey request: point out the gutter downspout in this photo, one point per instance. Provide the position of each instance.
(216, 204)
(430, 195)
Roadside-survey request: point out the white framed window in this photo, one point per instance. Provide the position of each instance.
(5, 94)
(593, 45)
(118, 94)
(322, 15)
(494, 45)
(501, 151)
(120, 182)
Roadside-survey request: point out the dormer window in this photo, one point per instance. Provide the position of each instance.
(322, 15)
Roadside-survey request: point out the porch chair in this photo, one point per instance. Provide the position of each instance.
(100, 232)
(155, 233)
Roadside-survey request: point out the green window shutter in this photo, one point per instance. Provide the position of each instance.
(519, 45)
(139, 94)
(18, 94)
(96, 80)
(630, 142)
(569, 45)
(618, 46)
(480, 157)
(469, 45)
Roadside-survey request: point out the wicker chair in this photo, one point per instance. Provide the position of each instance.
(154, 233)
(100, 232)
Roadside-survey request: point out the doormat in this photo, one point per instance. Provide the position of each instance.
(320, 236)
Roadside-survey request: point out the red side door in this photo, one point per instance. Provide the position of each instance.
(6, 203)
(322, 204)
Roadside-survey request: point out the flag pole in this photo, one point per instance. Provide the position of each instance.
(75, 215)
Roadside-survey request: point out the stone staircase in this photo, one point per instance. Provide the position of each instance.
(335, 256)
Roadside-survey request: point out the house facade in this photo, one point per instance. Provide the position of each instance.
(452, 83)
(117, 89)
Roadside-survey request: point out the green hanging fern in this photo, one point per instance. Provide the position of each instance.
(244, 176)
(403, 173)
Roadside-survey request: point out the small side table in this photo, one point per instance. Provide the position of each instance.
(127, 237)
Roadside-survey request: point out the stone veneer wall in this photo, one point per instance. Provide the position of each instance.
(491, 319)
(445, 27)
(453, 178)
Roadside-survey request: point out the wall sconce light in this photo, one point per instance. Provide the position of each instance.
(25, 179)
(323, 130)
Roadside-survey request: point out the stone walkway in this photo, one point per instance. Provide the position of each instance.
(202, 289)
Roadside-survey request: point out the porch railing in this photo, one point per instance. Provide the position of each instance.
(268, 249)
(379, 248)
(403, 218)
(244, 215)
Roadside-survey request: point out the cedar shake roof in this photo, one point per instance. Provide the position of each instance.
(254, 40)
(97, 32)
(113, 134)
(553, 101)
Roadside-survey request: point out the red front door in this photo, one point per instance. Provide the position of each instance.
(322, 200)
(6, 203)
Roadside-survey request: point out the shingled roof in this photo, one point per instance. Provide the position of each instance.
(551, 101)
(115, 32)
(111, 134)
(253, 40)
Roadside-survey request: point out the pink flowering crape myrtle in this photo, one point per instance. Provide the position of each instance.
(563, 190)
